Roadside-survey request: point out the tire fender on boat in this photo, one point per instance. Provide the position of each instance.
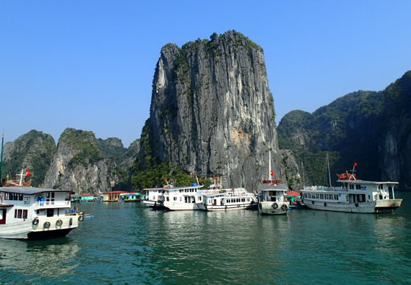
(35, 222)
(325, 204)
(46, 225)
(81, 217)
(284, 207)
(71, 221)
(59, 223)
(275, 206)
(356, 205)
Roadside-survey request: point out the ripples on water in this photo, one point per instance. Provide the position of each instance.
(130, 244)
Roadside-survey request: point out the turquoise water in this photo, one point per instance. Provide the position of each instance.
(126, 243)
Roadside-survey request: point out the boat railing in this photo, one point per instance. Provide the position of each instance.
(325, 188)
(52, 203)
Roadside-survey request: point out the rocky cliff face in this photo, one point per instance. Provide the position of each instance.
(212, 112)
(394, 144)
(82, 164)
(32, 151)
(370, 128)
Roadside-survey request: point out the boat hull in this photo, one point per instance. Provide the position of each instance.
(381, 206)
(155, 205)
(175, 206)
(228, 207)
(272, 208)
(47, 227)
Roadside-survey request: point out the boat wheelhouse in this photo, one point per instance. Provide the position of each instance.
(154, 198)
(353, 196)
(35, 213)
(184, 198)
(228, 199)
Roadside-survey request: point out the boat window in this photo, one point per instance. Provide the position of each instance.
(321, 196)
(351, 186)
(50, 212)
(18, 213)
(335, 197)
(358, 187)
(380, 186)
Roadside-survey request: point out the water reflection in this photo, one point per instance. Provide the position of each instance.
(52, 258)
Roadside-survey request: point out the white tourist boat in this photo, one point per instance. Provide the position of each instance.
(154, 198)
(271, 198)
(184, 198)
(353, 196)
(228, 199)
(271, 195)
(35, 213)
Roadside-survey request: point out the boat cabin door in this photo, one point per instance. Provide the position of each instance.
(2, 216)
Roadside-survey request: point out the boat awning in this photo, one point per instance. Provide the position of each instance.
(292, 193)
(5, 206)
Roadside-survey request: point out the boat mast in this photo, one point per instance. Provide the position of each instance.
(329, 172)
(269, 165)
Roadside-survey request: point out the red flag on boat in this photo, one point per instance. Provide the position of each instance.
(27, 173)
(355, 164)
(272, 173)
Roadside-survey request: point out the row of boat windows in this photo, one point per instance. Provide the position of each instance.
(357, 187)
(13, 196)
(321, 196)
(187, 190)
(187, 199)
(20, 214)
(356, 197)
(237, 200)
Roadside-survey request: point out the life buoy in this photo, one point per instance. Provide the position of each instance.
(275, 206)
(46, 225)
(81, 217)
(35, 222)
(284, 207)
(59, 223)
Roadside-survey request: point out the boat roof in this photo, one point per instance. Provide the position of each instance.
(273, 187)
(30, 190)
(183, 188)
(367, 182)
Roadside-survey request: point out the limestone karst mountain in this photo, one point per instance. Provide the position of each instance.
(212, 112)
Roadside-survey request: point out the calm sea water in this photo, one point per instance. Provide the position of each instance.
(126, 243)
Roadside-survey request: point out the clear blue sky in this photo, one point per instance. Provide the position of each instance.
(89, 64)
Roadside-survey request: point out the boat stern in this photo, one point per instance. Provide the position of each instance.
(388, 205)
